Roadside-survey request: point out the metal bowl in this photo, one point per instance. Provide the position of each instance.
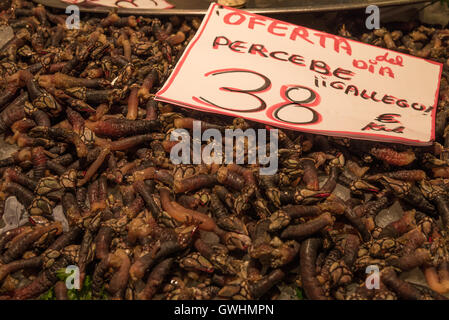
(199, 7)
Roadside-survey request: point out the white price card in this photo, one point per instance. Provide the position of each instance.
(246, 65)
(142, 4)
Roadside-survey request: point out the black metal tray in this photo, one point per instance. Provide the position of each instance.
(198, 7)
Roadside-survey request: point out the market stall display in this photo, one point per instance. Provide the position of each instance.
(93, 143)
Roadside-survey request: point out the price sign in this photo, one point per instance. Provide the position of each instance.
(143, 4)
(245, 65)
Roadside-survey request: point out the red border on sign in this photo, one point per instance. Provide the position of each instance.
(169, 5)
(378, 137)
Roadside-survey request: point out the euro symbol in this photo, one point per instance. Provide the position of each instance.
(388, 118)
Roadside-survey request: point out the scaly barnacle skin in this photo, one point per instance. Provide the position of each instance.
(116, 128)
(393, 157)
(308, 254)
(80, 106)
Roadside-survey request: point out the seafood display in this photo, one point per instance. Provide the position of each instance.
(91, 140)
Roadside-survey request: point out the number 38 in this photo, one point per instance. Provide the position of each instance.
(290, 110)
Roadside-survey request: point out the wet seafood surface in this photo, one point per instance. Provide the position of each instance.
(99, 195)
